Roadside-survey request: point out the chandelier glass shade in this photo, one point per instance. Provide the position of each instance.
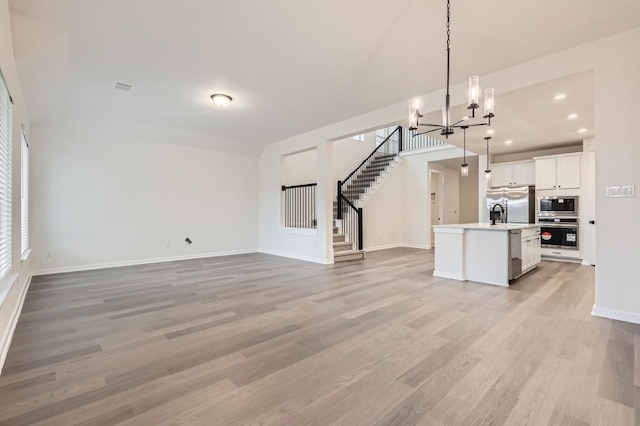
(487, 172)
(464, 167)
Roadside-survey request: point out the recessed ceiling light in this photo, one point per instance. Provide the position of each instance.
(572, 116)
(221, 100)
(560, 96)
(508, 142)
(582, 131)
(490, 131)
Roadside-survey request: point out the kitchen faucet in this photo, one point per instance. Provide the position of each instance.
(493, 213)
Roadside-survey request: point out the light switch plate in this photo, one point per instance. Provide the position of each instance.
(626, 191)
(612, 192)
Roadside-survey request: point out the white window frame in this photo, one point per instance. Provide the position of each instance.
(6, 136)
(24, 196)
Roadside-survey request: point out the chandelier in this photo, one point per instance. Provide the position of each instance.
(447, 127)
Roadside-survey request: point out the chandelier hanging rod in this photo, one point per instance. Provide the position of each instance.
(446, 128)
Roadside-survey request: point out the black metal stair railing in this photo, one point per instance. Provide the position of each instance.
(414, 143)
(299, 206)
(354, 185)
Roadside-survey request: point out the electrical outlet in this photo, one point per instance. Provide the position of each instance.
(48, 255)
(167, 246)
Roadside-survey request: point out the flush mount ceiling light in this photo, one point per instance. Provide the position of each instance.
(508, 142)
(560, 96)
(490, 132)
(221, 100)
(582, 131)
(447, 127)
(572, 116)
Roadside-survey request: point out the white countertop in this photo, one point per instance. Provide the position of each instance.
(488, 226)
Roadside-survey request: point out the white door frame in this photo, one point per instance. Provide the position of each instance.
(439, 200)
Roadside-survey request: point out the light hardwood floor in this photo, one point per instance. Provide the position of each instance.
(257, 339)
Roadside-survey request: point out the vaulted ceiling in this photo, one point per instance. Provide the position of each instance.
(290, 65)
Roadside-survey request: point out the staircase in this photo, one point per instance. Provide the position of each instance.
(343, 250)
(356, 188)
(363, 181)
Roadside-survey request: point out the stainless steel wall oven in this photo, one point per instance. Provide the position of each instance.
(559, 232)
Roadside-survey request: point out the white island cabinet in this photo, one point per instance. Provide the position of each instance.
(484, 253)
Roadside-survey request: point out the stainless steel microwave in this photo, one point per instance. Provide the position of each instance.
(558, 206)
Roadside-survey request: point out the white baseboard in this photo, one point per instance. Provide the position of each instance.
(385, 247)
(297, 256)
(451, 276)
(397, 245)
(615, 315)
(95, 266)
(417, 246)
(5, 342)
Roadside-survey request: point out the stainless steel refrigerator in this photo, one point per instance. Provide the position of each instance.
(519, 204)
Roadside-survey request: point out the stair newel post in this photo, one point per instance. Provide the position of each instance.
(360, 227)
(339, 201)
(400, 139)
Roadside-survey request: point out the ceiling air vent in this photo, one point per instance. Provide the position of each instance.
(124, 87)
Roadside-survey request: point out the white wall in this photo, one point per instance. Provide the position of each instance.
(617, 154)
(348, 153)
(383, 215)
(104, 194)
(13, 288)
(300, 168)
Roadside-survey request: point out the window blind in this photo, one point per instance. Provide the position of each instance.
(5, 179)
(24, 196)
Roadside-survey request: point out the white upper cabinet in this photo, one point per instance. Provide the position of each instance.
(546, 174)
(513, 174)
(524, 173)
(558, 172)
(500, 175)
(568, 172)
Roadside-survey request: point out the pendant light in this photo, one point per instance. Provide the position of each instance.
(447, 127)
(464, 168)
(487, 172)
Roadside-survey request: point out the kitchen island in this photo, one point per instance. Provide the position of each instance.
(485, 253)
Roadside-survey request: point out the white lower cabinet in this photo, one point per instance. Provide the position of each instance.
(531, 251)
